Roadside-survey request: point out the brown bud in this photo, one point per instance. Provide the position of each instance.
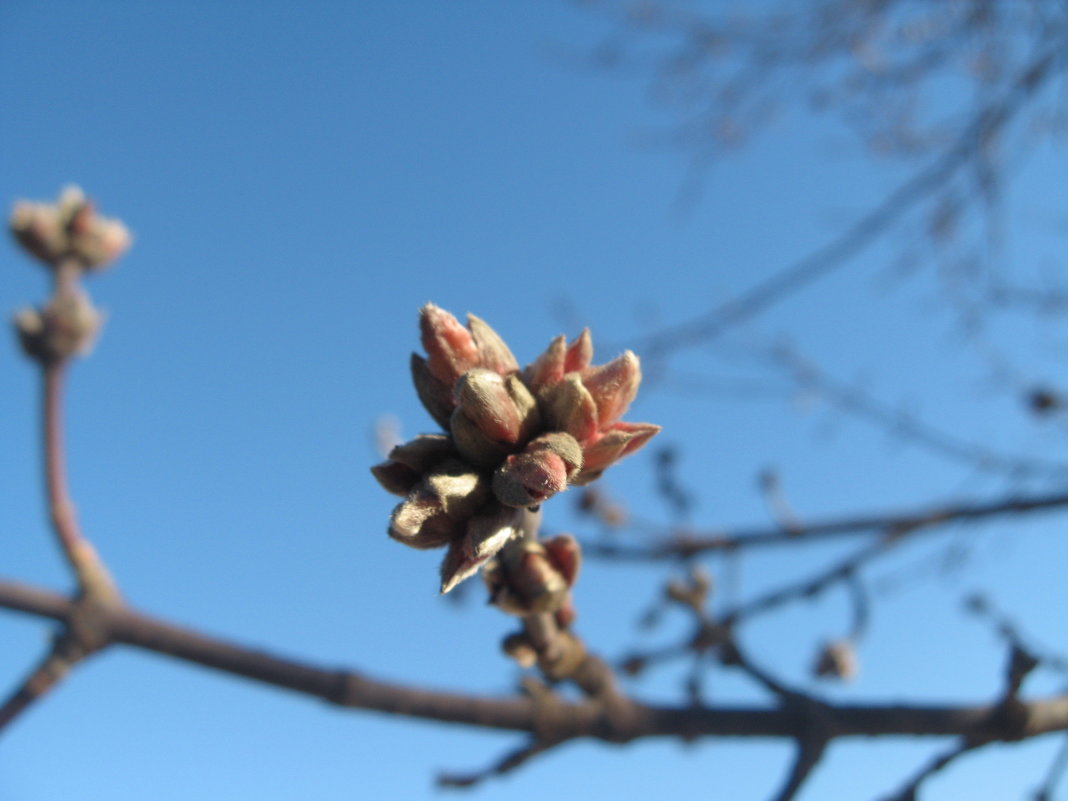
(836, 660)
(424, 452)
(421, 522)
(568, 406)
(485, 535)
(435, 395)
(473, 444)
(519, 648)
(461, 490)
(482, 397)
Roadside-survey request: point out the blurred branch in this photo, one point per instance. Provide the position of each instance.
(985, 125)
(683, 545)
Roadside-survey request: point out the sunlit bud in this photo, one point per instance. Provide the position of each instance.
(568, 406)
(451, 350)
(527, 479)
(563, 445)
(421, 522)
(461, 491)
(482, 397)
(621, 439)
(435, 395)
(493, 353)
(519, 648)
(409, 461)
(613, 386)
(559, 358)
(566, 556)
(548, 368)
(395, 478)
(836, 660)
(579, 353)
(485, 535)
(423, 452)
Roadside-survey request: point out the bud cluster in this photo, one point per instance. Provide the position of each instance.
(72, 240)
(514, 438)
(69, 230)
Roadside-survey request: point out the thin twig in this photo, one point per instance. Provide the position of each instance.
(93, 577)
(809, 752)
(908, 792)
(509, 762)
(864, 231)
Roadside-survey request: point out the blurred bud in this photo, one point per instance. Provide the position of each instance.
(527, 580)
(566, 556)
(519, 648)
(67, 326)
(1043, 401)
(836, 660)
(68, 229)
(409, 461)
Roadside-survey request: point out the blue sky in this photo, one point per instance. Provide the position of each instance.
(299, 180)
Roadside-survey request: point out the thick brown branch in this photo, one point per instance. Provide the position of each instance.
(569, 720)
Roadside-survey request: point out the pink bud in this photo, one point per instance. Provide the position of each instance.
(435, 395)
(613, 386)
(566, 556)
(493, 353)
(548, 368)
(527, 479)
(451, 351)
(579, 353)
(619, 440)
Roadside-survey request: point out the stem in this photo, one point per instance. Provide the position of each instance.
(93, 578)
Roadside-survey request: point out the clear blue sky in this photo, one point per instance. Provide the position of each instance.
(300, 178)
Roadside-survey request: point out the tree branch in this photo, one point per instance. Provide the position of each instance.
(568, 720)
(682, 546)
